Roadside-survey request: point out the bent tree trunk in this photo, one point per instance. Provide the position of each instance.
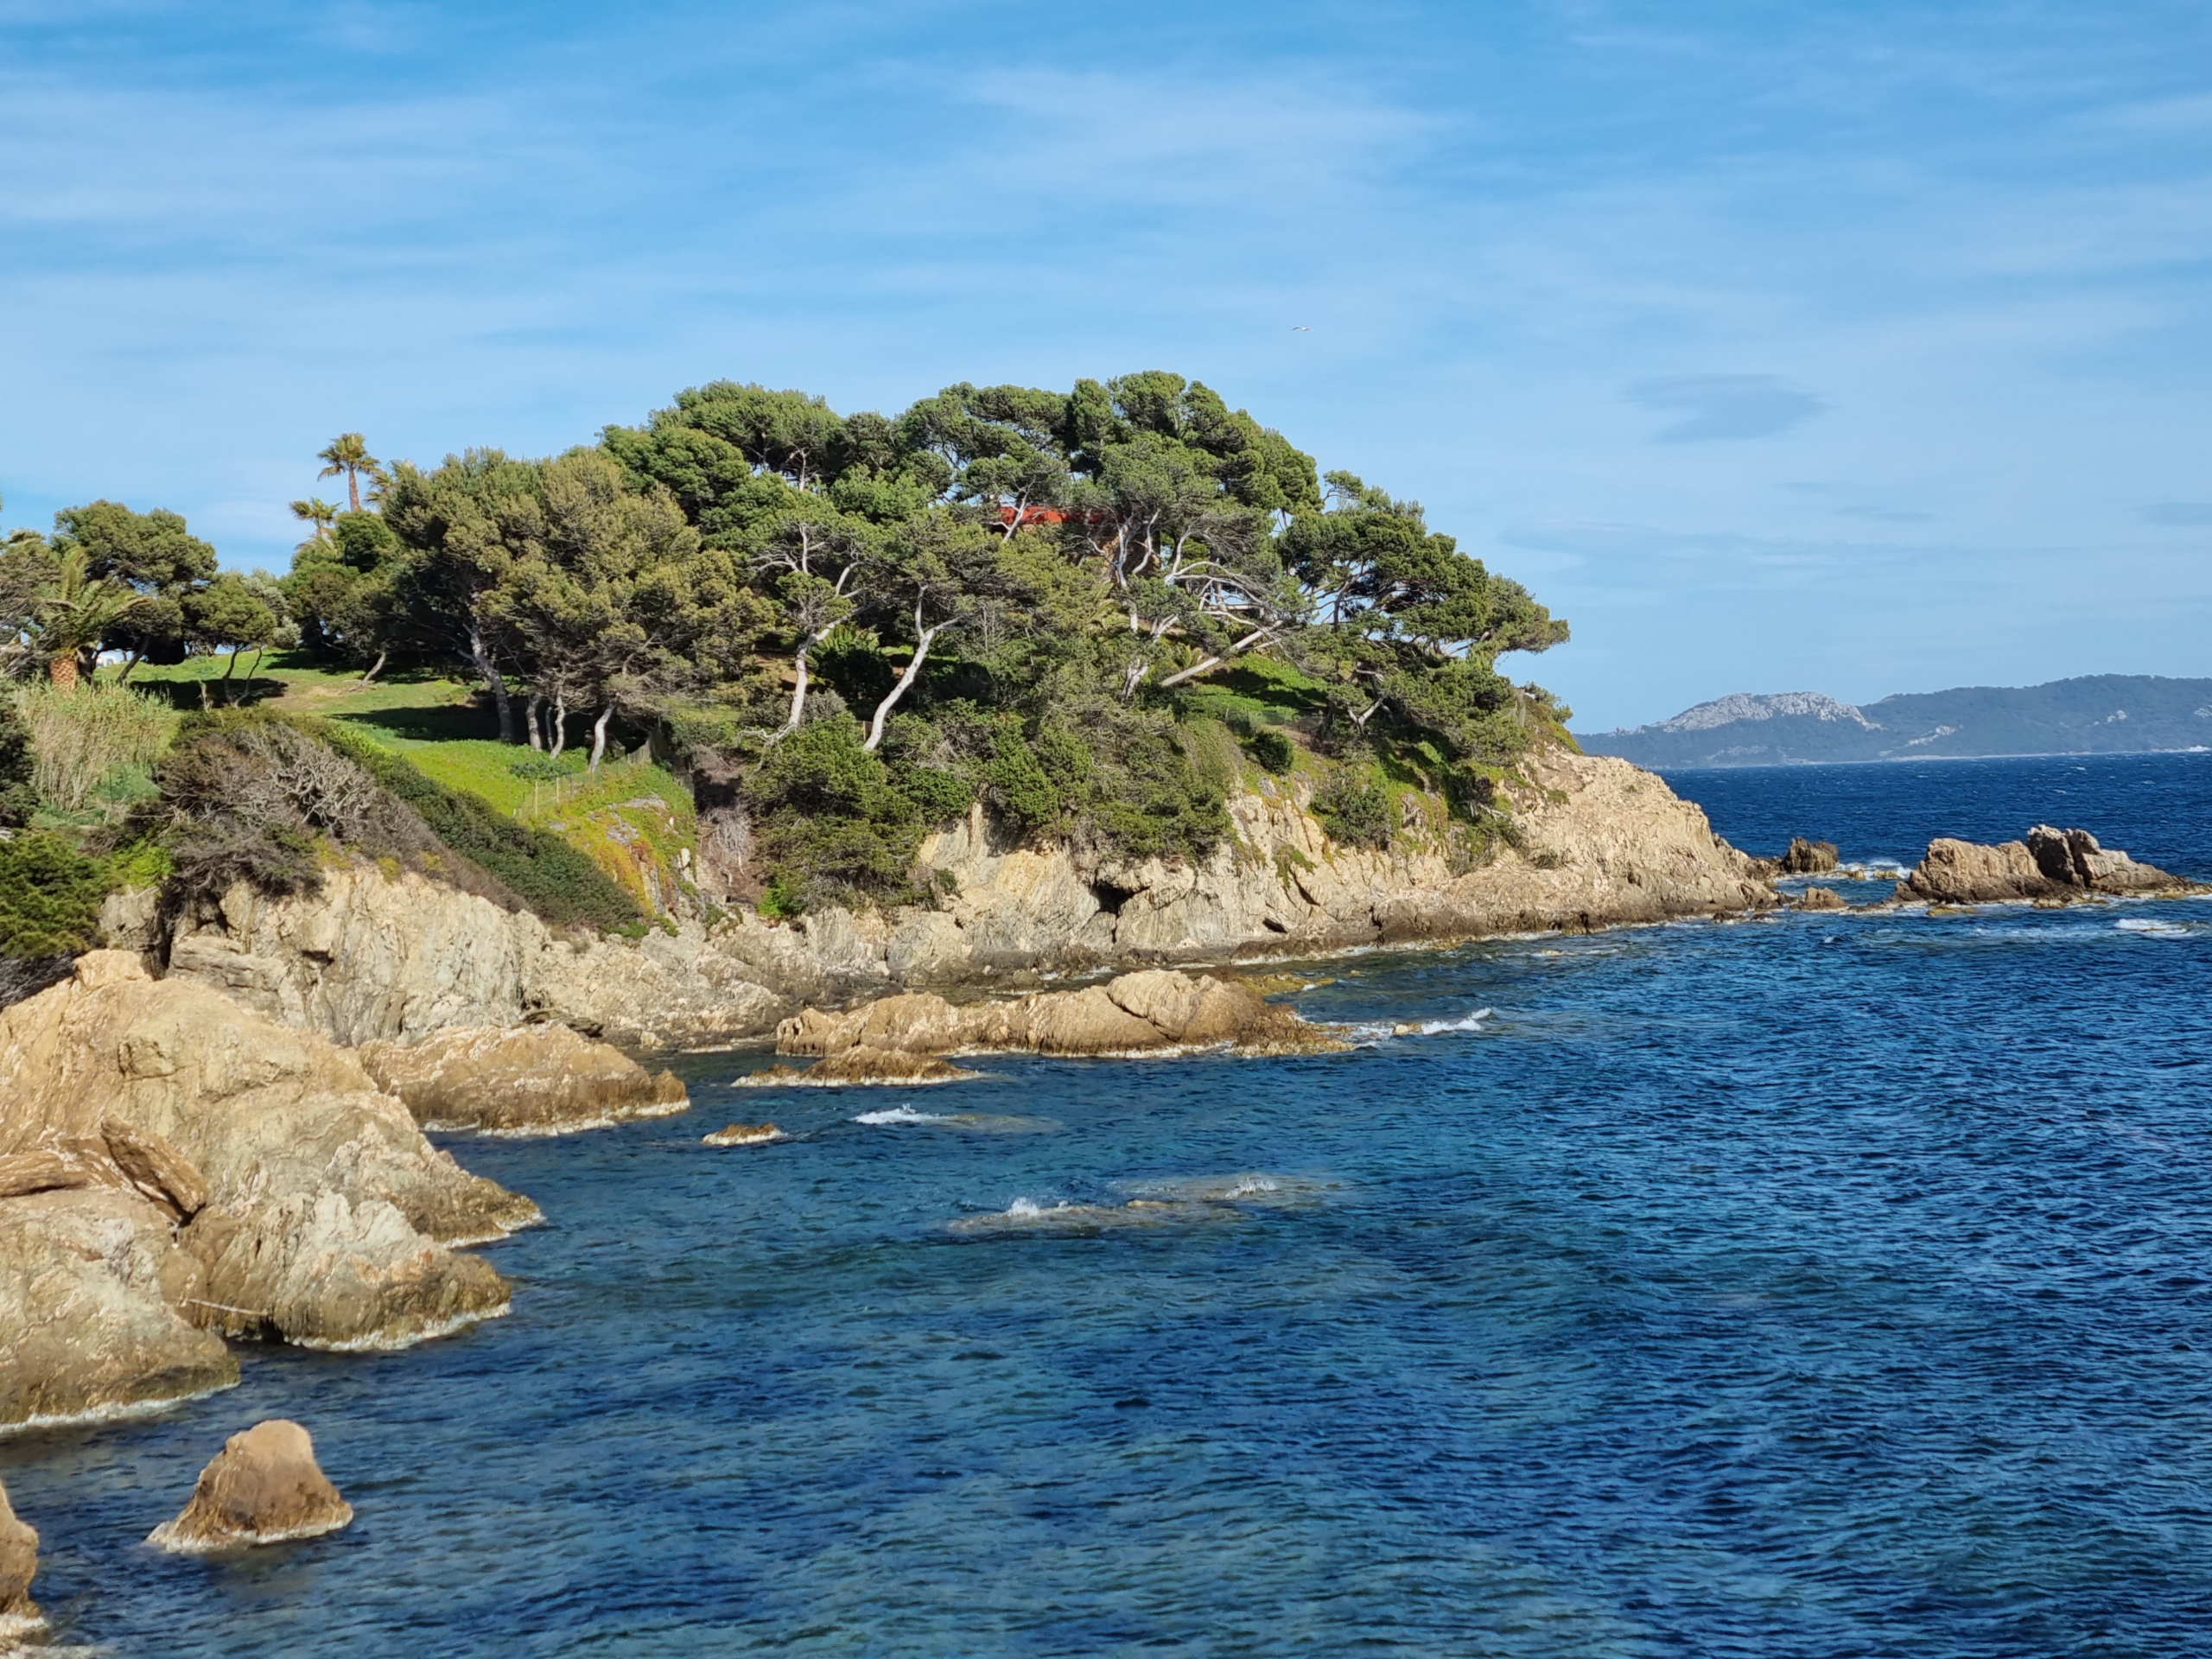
(480, 654)
(373, 670)
(529, 713)
(922, 637)
(598, 736)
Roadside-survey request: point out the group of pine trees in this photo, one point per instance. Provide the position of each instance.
(1001, 592)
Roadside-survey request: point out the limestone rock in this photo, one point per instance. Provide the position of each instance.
(263, 1487)
(1151, 1012)
(1808, 857)
(379, 959)
(742, 1134)
(19, 1614)
(98, 1305)
(529, 1079)
(226, 1174)
(1821, 898)
(2049, 864)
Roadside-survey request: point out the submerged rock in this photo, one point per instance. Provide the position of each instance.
(1160, 1011)
(526, 1080)
(177, 1167)
(2048, 864)
(263, 1487)
(19, 1614)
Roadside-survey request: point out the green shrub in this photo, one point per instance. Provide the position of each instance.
(1274, 752)
(1021, 787)
(1354, 811)
(80, 739)
(18, 800)
(50, 896)
(834, 826)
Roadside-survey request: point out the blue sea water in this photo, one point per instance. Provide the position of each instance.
(1821, 1286)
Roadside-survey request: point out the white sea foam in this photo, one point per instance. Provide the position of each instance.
(2153, 928)
(902, 1114)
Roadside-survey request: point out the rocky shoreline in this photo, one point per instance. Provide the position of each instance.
(382, 958)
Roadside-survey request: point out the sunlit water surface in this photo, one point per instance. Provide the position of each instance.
(1832, 1285)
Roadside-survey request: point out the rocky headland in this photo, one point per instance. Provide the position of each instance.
(377, 957)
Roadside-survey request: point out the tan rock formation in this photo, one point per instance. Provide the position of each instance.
(525, 1080)
(1153, 1012)
(1821, 899)
(2048, 864)
(19, 1614)
(263, 1487)
(177, 1161)
(376, 959)
(1808, 857)
(94, 1294)
(743, 1135)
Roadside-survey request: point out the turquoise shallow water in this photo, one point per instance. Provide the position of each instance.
(1824, 1285)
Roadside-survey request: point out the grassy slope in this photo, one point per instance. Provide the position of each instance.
(633, 823)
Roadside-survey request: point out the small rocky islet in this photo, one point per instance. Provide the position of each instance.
(189, 1157)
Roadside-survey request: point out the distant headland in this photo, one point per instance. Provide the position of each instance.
(2097, 713)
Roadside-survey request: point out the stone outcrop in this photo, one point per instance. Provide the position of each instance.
(1808, 857)
(180, 1169)
(263, 1487)
(2048, 864)
(379, 958)
(1821, 899)
(524, 1080)
(742, 1134)
(1155, 1011)
(19, 1614)
(94, 1292)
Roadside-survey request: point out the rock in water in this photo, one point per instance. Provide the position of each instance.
(1160, 1011)
(1809, 857)
(263, 1487)
(743, 1135)
(526, 1080)
(19, 1614)
(1821, 899)
(2050, 863)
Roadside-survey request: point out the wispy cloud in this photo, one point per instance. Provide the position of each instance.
(1720, 407)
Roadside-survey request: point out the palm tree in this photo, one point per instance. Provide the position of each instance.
(348, 453)
(316, 512)
(75, 612)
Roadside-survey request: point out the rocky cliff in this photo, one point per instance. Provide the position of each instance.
(377, 957)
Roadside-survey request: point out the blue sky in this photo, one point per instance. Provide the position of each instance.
(1852, 347)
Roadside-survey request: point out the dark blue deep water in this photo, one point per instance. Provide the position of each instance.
(1821, 1286)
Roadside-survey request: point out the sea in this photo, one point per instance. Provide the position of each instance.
(1829, 1284)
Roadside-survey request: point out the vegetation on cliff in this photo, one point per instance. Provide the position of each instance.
(1089, 611)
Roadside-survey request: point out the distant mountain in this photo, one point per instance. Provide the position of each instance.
(2101, 714)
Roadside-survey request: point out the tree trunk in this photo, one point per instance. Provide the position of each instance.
(529, 713)
(354, 488)
(480, 654)
(558, 741)
(374, 668)
(61, 670)
(598, 736)
(123, 678)
(922, 637)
